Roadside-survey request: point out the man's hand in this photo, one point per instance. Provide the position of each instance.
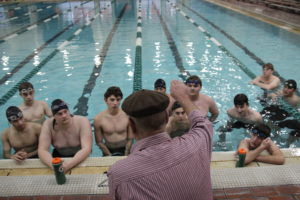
(178, 90)
(266, 143)
(19, 156)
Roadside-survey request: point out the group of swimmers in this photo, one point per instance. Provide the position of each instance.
(31, 134)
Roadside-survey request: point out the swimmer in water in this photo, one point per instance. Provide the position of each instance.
(33, 110)
(70, 135)
(22, 136)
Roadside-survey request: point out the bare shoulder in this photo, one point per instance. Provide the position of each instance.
(80, 119)
(5, 133)
(99, 117)
(231, 112)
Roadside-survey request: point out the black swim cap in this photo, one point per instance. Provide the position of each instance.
(160, 83)
(58, 105)
(13, 113)
(175, 105)
(291, 84)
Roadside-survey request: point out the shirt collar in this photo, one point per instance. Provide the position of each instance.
(150, 141)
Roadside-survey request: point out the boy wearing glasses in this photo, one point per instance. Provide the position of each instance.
(204, 103)
(267, 80)
(33, 110)
(22, 136)
(260, 141)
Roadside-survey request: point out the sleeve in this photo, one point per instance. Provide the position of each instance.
(200, 129)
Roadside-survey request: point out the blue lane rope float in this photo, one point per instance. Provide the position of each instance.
(14, 89)
(172, 45)
(82, 105)
(137, 79)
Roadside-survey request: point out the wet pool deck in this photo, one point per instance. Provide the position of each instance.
(33, 180)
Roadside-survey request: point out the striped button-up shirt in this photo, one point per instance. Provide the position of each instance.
(163, 168)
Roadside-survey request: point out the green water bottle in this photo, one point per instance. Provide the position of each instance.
(59, 172)
(242, 156)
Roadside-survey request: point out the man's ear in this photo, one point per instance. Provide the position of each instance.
(167, 116)
(133, 126)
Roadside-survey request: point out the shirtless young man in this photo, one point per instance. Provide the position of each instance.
(267, 80)
(22, 136)
(112, 132)
(241, 116)
(178, 123)
(160, 86)
(71, 136)
(288, 93)
(33, 110)
(203, 102)
(259, 142)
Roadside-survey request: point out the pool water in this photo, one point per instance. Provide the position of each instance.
(76, 50)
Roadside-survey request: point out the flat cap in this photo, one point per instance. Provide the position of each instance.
(144, 103)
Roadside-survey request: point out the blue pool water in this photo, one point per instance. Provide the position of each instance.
(172, 47)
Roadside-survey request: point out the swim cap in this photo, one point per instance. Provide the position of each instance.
(291, 84)
(58, 105)
(13, 113)
(262, 131)
(175, 106)
(160, 83)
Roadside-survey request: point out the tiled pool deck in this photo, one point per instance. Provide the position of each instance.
(33, 180)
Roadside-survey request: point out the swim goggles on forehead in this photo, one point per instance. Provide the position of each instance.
(289, 85)
(192, 82)
(28, 90)
(15, 117)
(60, 106)
(259, 133)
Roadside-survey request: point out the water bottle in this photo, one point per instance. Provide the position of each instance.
(242, 156)
(59, 172)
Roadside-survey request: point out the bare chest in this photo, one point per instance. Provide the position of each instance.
(114, 125)
(33, 113)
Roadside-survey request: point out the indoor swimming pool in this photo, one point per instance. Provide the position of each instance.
(75, 50)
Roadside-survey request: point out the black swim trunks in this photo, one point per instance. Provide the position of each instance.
(117, 151)
(274, 113)
(55, 153)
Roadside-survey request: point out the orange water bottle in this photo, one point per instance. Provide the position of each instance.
(59, 171)
(242, 155)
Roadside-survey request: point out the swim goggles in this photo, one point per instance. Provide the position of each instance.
(259, 133)
(27, 91)
(15, 117)
(56, 108)
(289, 85)
(192, 82)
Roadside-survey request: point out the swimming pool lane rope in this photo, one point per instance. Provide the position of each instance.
(137, 78)
(32, 55)
(288, 108)
(235, 41)
(172, 45)
(82, 105)
(216, 42)
(33, 25)
(28, 76)
(25, 14)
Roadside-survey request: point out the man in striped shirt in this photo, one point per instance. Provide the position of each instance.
(160, 167)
